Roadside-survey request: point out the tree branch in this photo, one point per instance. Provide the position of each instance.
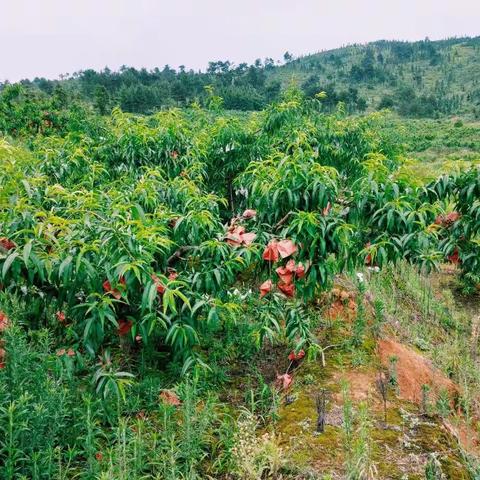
(178, 254)
(282, 221)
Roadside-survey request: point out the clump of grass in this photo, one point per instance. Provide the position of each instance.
(255, 457)
(443, 403)
(348, 429)
(360, 322)
(425, 401)
(357, 439)
(363, 452)
(433, 468)
(378, 318)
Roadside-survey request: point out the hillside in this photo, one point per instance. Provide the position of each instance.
(425, 78)
(416, 79)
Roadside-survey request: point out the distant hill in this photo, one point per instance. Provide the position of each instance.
(423, 78)
(417, 79)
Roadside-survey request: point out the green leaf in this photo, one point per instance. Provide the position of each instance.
(64, 266)
(149, 295)
(8, 262)
(27, 249)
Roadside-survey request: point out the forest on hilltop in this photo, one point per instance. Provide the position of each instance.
(416, 79)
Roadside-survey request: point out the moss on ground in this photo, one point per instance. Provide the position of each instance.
(399, 450)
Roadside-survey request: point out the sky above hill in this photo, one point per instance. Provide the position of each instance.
(51, 37)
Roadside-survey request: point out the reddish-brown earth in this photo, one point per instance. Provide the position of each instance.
(413, 371)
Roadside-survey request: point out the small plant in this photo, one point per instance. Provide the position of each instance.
(382, 385)
(360, 321)
(359, 357)
(254, 457)
(365, 467)
(357, 441)
(263, 400)
(110, 383)
(308, 379)
(379, 317)
(443, 403)
(392, 372)
(425, 403)
(348, 430)
(433, 468)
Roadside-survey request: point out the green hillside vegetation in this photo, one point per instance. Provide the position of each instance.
(419, 79)
(416, 79)
(436, 146)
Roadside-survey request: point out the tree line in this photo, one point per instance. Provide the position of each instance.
(416, 79)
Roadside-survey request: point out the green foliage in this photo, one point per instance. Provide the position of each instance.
(118, 277)
(417, 79)
(99, 221)
(52, 428)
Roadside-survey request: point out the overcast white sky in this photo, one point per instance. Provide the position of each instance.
(50, 37)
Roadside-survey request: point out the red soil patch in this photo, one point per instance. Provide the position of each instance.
(466, 436)
(361, 385)
(413, 371)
